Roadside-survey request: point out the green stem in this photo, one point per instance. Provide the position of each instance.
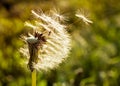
(34, 77)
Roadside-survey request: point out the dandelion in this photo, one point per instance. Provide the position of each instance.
(48, 45)
(81, 14)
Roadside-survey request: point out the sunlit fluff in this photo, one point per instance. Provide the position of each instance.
(80, 14)
(56, 44)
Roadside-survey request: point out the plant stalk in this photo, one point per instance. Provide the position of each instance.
(34, 77)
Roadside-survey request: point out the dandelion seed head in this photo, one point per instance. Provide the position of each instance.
(50, 39)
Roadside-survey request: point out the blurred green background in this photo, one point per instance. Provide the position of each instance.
(95, 56)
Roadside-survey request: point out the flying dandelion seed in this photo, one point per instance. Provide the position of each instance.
(49, 44)
(80, 14)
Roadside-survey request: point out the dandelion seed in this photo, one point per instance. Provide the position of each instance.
(56, 15)
(80, 14)
(49, 44)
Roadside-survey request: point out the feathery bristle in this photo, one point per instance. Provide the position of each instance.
(80, 14)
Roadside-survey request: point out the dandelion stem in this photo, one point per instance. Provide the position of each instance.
(34, 77)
